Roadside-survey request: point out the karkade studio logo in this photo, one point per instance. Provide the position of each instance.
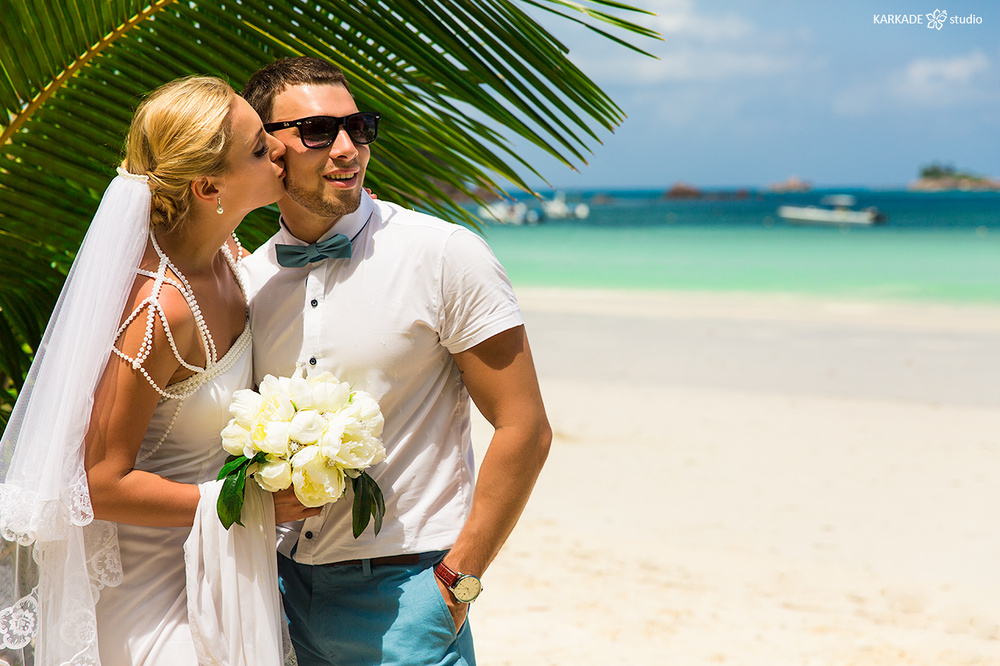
(934, 20)
(937, 19)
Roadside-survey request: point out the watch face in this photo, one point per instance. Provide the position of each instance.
(467, 588)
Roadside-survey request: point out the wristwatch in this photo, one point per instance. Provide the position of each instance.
(465, 587)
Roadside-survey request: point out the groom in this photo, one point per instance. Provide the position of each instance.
(420, 314)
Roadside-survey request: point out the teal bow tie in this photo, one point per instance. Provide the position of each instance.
(295, 256)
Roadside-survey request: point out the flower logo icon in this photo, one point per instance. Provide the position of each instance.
(937, 19)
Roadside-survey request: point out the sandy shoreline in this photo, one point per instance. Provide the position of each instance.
(756, 480)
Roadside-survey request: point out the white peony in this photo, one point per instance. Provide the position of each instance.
(329, 395)
(360, 451)
(307, 426)
(315, 482)
(272, 438)
(274, 475)
(325, 377)
(300, 392)
(235, 438)
(269, 433)
(364, 408)
(272, 385)
(246, 406)
(276, 407)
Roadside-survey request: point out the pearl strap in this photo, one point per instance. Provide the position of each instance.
(214, 367)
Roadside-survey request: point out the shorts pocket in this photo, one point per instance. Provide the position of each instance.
(442, 616)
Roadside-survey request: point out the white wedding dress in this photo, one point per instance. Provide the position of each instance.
(144, 620)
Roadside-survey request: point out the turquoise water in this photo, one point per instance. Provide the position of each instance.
(934, 247)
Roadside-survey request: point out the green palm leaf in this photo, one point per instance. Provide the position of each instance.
(454, 80)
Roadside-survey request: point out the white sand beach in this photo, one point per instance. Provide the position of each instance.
(755, 480)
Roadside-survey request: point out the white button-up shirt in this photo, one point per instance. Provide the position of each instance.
(415, 291)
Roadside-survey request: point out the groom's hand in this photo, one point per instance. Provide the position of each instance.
(459, 611)
(287, 507)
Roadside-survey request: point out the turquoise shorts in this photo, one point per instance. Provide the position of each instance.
(351, 615)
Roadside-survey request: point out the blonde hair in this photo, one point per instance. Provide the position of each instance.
(180, 132)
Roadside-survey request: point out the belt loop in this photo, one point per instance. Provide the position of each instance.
(366, 568)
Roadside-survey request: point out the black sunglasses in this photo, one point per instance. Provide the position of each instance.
(321, 131)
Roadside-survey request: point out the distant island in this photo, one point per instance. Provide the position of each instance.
(791, 184)
(940, 178)
(685, 191)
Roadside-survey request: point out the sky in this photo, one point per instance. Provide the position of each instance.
(746, 94)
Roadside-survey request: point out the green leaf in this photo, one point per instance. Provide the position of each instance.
(232, 494)
(230, 504)
(378, 509)
(368, 503)
(233, 463)
(361, 509)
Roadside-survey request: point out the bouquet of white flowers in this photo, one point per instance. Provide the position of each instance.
(311, 433)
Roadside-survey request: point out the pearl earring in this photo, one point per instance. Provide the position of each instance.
(218, 209)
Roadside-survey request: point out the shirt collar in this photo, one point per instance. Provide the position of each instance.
(349, 224)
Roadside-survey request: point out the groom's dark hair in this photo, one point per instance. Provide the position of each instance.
(271, 80)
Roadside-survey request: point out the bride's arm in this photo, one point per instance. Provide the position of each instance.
(123, 407)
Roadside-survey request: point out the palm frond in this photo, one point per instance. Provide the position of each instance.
(455, 81)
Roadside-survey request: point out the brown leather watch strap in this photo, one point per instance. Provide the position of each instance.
(447, 576)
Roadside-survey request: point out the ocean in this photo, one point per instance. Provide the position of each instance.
(941, 247)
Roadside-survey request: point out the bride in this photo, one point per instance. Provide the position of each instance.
(110, 450)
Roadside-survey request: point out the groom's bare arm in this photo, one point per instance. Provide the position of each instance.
(500, 376)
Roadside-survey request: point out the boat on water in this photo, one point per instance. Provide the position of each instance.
(835, 209)
(559, 209)
(518, 212)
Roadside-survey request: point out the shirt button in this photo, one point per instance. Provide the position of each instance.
(312, 361)
(309, 535)
(314, 302)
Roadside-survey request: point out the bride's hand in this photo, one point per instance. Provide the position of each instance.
(288, 507)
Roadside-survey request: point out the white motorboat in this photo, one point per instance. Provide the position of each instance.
(835, 209)
(516, 213)
(559, 209)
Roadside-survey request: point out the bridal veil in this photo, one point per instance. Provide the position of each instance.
(55, 557)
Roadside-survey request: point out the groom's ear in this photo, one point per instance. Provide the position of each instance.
(205, 189)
